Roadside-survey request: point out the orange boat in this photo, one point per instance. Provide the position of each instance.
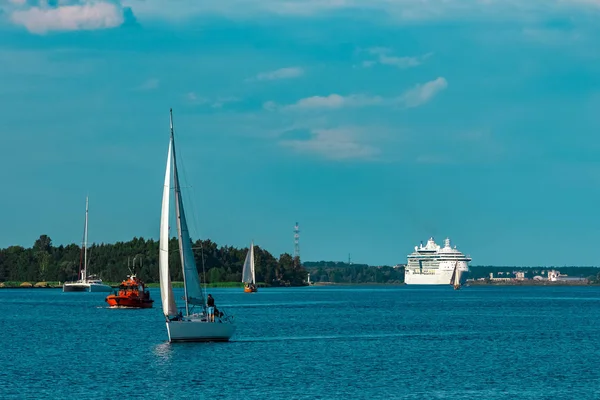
(249, 288)
(132, 294)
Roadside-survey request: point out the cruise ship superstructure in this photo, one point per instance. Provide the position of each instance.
(434, 265)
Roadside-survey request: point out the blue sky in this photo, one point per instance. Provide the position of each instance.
(374, 124)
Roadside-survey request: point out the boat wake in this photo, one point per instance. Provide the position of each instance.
(293, 304)
(324, 337)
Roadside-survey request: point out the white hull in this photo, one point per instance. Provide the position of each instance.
(76, 287)
(439, 277)
(86, 287)
(199, 331)
(100, 287)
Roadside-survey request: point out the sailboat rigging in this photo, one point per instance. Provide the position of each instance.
(191, 326)
(85, 283)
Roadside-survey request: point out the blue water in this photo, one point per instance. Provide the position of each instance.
(311, 343)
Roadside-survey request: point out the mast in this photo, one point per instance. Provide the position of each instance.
(177, 211)
(191, 281)
(85, 237)
(252, 263)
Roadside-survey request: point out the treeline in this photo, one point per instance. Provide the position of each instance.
(341, 272)
(46, 262)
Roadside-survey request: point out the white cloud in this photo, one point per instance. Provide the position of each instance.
(219, 102)
(335, 144)
(193, 98)
(87, 16)
(332, 101)
(384, 57)
(150, 84)
(282, 73)
(418, 95)
(421, 94)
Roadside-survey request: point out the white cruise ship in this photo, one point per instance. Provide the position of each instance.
(434, 265)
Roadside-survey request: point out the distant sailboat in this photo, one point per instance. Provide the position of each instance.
(248, 277)
(455, 280)
(85, 283)
(194, 327)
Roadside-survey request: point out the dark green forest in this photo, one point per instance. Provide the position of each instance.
(46, 262)
(341, 272)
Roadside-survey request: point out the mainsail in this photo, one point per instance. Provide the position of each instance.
(166, 290)
(193, 290)
(248, 270)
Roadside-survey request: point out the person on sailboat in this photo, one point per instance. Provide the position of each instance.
(210, 308)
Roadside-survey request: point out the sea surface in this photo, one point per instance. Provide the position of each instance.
(350, 342)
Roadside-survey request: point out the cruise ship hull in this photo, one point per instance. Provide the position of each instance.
(441, 277)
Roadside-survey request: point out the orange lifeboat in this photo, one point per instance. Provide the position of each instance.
(132, 293)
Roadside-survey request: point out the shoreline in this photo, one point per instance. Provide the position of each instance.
(232, 285)
(530, 283)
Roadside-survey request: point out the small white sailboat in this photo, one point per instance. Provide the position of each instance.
(248, 277)
(455, 280)
(193, 326)
(86, 283)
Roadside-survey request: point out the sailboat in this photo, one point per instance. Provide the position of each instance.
(193, 326)
(86, 283)
(248, 277)
(455, 280)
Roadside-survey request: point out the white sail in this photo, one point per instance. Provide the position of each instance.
(455, 280)
(191, 280)
(248, 269)
(166, 290)
(252, 263)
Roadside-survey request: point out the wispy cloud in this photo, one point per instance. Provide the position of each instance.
(418, 95)
(282, 73)
(336, 144)
(421, 94)
(384, 57)
(150, 84)
(67, 16)
(219, 102)
(335, 101)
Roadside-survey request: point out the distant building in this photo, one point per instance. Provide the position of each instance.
(555, 276)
